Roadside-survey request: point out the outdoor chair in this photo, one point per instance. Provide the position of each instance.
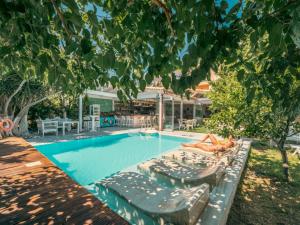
(129, 121)
(189, 124)
(183, 175)
(142, 122)
(148, 121)
(47, 127)
(97, 123)
(87, 123)
(117, 121)
(195, 123)
(60, 123)
(154, 121)
(123, 121)
(181, 124)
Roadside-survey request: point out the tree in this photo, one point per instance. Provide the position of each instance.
(258, 105)
(272, 64)
(268, 65)
(75, 45)
(18, 96)
(232, 114)
(126, 43)
(154, 38)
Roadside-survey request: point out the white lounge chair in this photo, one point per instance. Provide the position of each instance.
(166, 205)
(198, 159)
(180, 174)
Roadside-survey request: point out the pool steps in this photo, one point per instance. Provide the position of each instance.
(204, 173)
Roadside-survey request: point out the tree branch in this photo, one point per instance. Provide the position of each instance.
(22, 111)
(166, 11)
(11, 96)
(61, 17)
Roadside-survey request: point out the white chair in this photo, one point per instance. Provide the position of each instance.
(123, 121)
(148, 121)
(129, 121)
(87, 123)
(154, 121)
(142, 122)
(189, 124)
(60, 123)
(195, 123)
(39, 125)
(181, 124)
(97, 123)
(47, 127)
(117, 121)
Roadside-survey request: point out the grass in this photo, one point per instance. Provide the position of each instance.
(263, 197)
(200, 129)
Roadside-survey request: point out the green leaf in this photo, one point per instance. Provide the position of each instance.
(120, 95)
(148, 78)
(166, 81)
(275, 35)
(240, 75)
(114, 80)
(254, 38)
(142, 85)
(86, 46)
(109, 59)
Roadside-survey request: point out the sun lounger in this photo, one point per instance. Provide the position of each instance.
(227, 156)
(194, 157)
(180, 174)
(175, 206)
(190, 158)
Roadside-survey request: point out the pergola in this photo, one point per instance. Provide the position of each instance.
(158, 94)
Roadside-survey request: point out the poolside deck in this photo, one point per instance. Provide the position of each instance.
(33, 190)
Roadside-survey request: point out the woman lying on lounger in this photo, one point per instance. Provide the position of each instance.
(217, 145)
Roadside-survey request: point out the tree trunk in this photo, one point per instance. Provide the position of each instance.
(21, 128)
(5, 110)
(285, 161)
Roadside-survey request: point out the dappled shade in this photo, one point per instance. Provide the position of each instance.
(178, 206)
(180, 173)
(33, 190)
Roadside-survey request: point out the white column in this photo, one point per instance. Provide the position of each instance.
(194, 111)
(161, 112)
(181, 109)
(173, 113)
(80, 113)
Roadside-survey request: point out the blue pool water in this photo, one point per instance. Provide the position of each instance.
(93, 159)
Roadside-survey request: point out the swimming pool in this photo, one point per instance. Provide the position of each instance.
(91, 160)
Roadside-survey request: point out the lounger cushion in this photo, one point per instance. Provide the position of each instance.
(177, 206)
(183, 174)
(190, 158)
